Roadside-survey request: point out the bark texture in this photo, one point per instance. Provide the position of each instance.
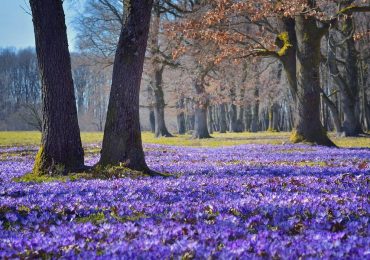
(307, 117)
(201, 105)
(157, 77)
(122, 137)
(223, 125)
(61, 150)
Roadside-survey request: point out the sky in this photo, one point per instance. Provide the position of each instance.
(16, 29)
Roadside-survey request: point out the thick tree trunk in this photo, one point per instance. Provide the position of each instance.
(122, 137)
(222, 118)
(61, 150)
(307, 112)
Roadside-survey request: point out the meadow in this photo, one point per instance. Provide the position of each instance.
(235, 196)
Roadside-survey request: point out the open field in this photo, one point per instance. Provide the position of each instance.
(247, 201)
(33, 138)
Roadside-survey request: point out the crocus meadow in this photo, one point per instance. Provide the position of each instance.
(240, 202)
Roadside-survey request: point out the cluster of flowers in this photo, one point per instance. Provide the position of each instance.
(249, 201)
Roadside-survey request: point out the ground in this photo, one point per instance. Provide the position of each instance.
(233, 196)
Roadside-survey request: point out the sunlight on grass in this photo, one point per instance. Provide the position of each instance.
(24, 138)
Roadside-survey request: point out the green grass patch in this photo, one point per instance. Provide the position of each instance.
(23, 138)
(31, 177)
(99, 172)
(96, 218)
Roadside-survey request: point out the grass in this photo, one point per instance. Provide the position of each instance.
(23, 138)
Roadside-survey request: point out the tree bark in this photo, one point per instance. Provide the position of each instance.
(157, 81)
(201, 105)
(181, 127)
(255, 110)
(350, 95)
(61, 149)
(233, 118)
(348, 86)
(223, 125)
(122, 136)
(307, 112)
(152, 120)
(210, 120)
(334, 112)
(273, 118)
(159, 105)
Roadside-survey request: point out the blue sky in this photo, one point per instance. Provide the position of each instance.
(16, 25)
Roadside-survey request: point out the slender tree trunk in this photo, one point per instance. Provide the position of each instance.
(201, 105)
(255, 110)
(273, 117)
(150, 108)
(247, 118)
(240, 127)
(159, 104)
(348, 86)
(350, 95)
(307, 112)
(122, 137)
(61, 149)
(334, 112)
(189, 117)
(222, 118)
(157, 81)
(210, 120)
(152, 120)
(181, 127)
(232, 118)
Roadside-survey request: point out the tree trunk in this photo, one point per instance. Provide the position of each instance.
(248, 118)
(152, 120)
(348, 86)
(273, 118)
(159, 104)
(181, 127)
(210, 120)
(350, 95)
(222, 118)
(307, 112)
(122, 137)
(201, 105)
(255, 110)
(334, 112)
(61, 150)
(288, 58)
(232, 118)
(150, 108)
(157, 81)
(239, 122)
